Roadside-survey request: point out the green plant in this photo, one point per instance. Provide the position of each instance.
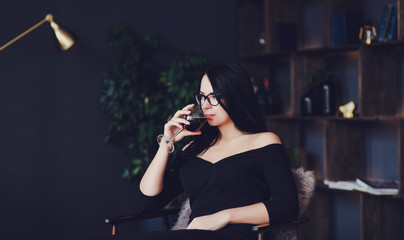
(139, 99)
(320, 74)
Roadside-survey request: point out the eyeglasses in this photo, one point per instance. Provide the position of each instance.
(213, 99)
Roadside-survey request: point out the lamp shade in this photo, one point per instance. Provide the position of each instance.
(64, 38)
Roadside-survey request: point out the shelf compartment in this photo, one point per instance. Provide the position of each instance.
(287, 130)
(250, 25)
(312, 18)
(342, 70)
(379, 217)
(312, 135)
(343, 74)
(280, 81)
(381, 142)
(378, 84)
(345, 215)
(344, 148)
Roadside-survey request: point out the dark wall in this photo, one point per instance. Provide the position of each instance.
(58, 178)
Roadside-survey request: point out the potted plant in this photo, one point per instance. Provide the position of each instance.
(139, 98)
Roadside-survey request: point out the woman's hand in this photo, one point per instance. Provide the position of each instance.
(211, 222)
(176, 123)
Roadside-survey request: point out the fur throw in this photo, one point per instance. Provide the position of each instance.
(305, 184)
(183, 216)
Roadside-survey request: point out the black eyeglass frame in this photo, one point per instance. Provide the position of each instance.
(217, 96)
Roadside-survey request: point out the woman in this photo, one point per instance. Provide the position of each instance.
(235, 173)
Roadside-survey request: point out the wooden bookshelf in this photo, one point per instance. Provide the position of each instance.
(337, 148)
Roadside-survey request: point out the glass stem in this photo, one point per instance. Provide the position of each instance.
(176, 133)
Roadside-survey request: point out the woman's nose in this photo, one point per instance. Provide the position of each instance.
(205, 104)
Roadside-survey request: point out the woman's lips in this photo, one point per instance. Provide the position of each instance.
(209, 116)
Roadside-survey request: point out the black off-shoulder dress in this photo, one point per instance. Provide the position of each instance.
(258, 175)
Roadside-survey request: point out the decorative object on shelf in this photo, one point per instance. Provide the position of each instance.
(64, 38)
(387, 30)
(367, 34)
(307, 103)
(347, 109)
(261, 42)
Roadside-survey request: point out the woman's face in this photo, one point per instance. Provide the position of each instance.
(216, 114)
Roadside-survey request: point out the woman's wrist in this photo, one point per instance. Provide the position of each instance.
(165, 147)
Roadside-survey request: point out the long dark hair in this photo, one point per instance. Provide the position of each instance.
(233, 84)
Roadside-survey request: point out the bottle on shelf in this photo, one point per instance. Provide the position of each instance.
(308, 99)
(327, 106)
(307, 103)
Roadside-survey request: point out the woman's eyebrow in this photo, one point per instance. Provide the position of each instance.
(204, 93)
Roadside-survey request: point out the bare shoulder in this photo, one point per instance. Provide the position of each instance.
(266, 138)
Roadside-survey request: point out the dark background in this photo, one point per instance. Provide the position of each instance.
(58, 179)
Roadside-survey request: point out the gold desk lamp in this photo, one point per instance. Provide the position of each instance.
(63, 37)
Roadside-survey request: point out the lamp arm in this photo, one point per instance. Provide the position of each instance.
(48, 18)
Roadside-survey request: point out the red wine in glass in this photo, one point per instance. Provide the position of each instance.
(195, 122)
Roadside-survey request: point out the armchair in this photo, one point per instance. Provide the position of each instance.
(305, 184)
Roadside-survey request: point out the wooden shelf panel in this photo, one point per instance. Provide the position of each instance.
(401, 156)
(274, 56)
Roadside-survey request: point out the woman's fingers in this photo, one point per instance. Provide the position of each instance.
(181, 120)
(184, 111)
(171, 123)
(181, 113)
(189, 106)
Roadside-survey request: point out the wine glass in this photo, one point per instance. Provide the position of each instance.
(196, 120)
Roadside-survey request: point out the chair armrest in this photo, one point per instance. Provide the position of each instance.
(135, 217)
(268, 228)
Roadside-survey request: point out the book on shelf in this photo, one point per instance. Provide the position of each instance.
(375, 187)
(379, 186)
(388, 23)
(338, 29)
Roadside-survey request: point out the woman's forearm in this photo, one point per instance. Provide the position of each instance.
(256, 214)
(152, 181)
